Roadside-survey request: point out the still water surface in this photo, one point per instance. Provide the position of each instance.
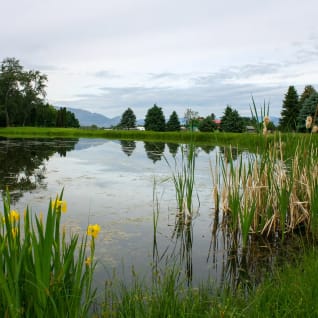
(120, 185)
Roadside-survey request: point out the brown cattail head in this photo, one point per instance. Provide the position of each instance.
(314, 129)
(266, 121)
(308, 122)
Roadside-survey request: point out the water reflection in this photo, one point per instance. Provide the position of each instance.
(22, 162)
(207, 148)
(173, 148)
(154, 150)
(230, 153)
(128, 146)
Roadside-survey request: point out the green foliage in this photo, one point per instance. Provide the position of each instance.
(308, 90)
(258, 117)
(155, 119)
(173, 123)
(207, 124)
(232, 121)
(290, 110)
(310, 108)
(22, 99)
(128, 119)
(43, 273)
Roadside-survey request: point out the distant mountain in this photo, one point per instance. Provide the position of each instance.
(87, 118)
(275, 120)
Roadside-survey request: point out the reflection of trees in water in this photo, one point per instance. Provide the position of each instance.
(128, 146)
(154, 150)
(207, 148)
(173, 148)
(22, 166)
(230, 153)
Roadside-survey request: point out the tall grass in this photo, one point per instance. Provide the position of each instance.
(289, 292)
(183, 177)
(270, 193)
(43, 273)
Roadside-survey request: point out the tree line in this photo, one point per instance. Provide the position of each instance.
(294, 112)
(22, 99)
(155, 120)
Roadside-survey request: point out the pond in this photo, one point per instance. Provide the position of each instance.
(122, 186)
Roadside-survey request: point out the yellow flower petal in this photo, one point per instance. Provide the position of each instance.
(14, 216)
(88, 261)
(93, 230)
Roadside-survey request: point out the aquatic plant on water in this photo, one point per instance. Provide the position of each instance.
(43, 273)
(183, 177)
(269, 194)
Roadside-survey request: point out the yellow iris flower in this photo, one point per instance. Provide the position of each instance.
(59, 204)
(88, 261)
(93, 230)
(15, 231)
(14, 216)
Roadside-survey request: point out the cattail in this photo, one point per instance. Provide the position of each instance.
(266, 121)
(314, 129)
(308, 122)
(264, 130)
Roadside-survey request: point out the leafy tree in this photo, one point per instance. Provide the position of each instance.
(207, 124)
(128, 119)
(155, 119)
(173, 123)
(20, 90)
(22, 99)
(231, 121)
(290, 111)
(310, 108)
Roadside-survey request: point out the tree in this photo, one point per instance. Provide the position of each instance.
(231, 121)
(191, 118)
(20, 91)
(308, 90)
(290, 110)
(310, 108)
(128, 119)
(155, 119)
(173, 123)
(207, 124)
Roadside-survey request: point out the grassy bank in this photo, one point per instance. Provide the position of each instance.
(290, 292)
(243, 140)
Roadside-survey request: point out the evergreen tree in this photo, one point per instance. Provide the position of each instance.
(290, 111)
(173, 123)
(128, 119)
(310, 108)
(155, 119)
(231, 121)
(308, 90)
(207, 124)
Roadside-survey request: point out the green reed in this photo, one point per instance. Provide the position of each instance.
(43, 273)
(183, 177)
(272, 192)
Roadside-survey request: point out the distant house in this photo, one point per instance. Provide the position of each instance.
(250, 129)
(218, 123)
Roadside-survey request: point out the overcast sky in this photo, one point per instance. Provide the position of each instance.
(107, 55)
